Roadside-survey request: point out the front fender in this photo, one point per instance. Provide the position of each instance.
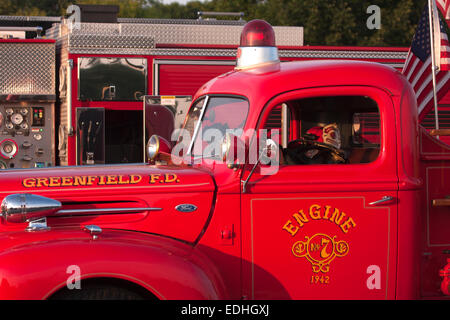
(36, 265)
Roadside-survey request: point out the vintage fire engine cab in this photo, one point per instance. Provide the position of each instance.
(321, 186)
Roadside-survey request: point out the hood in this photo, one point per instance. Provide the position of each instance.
(182, 197)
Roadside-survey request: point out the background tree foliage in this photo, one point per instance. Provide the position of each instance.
(326, 22)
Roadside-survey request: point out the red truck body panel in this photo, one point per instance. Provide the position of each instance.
(434, 169)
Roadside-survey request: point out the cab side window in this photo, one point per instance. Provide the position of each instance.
(327, 130)
(365, 143)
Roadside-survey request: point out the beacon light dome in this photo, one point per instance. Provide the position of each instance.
(257, 45)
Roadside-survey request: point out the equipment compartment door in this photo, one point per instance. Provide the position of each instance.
(324, 231)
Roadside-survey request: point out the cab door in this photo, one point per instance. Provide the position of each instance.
(325, 231)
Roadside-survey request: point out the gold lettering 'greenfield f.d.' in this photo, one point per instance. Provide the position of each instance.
(81, 181)
(320, 250)
(100, 180)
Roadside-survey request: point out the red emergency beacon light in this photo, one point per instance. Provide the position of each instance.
(257, 45)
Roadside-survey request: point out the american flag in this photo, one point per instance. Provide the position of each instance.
(417, 68)
(444, 6)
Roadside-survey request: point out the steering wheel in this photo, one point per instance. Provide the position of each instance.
(302, 151)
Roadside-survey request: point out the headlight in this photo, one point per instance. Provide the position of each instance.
(153, 147)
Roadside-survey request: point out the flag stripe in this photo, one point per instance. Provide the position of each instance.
(425, 83)
(428, 85)
(416, 64)
(408, 64)
(443, 6)
(422, 72)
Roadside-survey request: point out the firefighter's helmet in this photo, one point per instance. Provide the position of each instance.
(328, 134)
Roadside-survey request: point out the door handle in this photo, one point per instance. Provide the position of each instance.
(441, 202)
(382, 200)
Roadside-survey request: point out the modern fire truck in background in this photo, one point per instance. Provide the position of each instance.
(370, 224)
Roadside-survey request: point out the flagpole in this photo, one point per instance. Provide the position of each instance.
(433, 64)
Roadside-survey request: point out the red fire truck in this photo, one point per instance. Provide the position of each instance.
(352, 204)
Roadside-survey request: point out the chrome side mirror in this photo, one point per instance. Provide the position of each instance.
(272, 149)
(25, 207)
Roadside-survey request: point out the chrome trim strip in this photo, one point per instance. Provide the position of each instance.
(253, 56)
(27, 97)
(102, 210)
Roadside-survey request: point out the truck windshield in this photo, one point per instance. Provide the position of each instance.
(218, 115)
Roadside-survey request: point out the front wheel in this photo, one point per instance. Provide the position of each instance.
(98, 292)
